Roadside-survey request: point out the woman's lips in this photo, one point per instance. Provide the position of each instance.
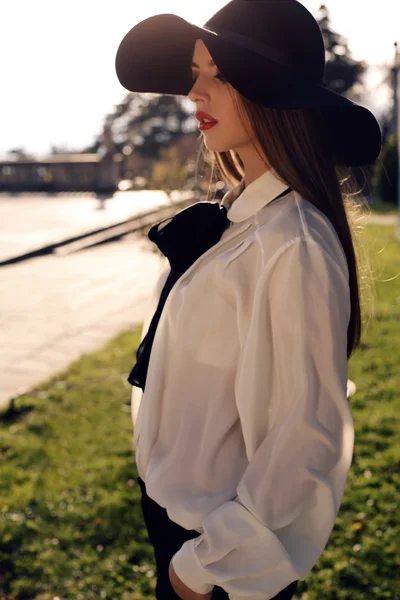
(205, 126)
(200, 116)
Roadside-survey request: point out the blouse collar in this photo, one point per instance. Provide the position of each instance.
(243, 202)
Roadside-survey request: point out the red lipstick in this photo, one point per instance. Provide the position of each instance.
(206, 121)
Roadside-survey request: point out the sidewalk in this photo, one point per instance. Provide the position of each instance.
(33, 221)
(55, 308)
(58, 306)
(381, 219)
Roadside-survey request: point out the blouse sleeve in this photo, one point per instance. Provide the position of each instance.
(298, 430)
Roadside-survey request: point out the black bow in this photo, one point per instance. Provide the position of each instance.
(182, 239)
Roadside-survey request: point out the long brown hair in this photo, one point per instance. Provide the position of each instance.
(294, 146)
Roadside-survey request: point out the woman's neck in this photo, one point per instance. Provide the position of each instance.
(254, 164)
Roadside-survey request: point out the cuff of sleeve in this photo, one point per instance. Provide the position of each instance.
(189, 568)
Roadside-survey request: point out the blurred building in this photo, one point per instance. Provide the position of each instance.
(97, 172)
(61, 172)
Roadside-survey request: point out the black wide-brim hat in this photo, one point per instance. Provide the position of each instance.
(271, 51)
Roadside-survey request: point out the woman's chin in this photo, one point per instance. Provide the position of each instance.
(215, 145)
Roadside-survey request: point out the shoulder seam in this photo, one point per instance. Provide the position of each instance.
(282, 249)
(307, 238)
(302, 217)
(257, 236)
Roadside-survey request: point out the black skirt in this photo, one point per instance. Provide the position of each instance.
(167, 537)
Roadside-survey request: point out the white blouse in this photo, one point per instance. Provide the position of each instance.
(244, 432)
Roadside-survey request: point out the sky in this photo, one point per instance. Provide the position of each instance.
(57, 60)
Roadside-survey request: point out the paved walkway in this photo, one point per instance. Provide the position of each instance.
(31, 221)
(54, 308)
(381, 219)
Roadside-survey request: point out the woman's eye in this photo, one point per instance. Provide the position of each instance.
(218, 76)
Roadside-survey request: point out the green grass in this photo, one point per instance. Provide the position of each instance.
(71, 524)
(383, 208)
(70, 519)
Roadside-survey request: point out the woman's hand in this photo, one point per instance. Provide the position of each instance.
(182, 590)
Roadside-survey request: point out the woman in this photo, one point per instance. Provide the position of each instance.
(244, 437)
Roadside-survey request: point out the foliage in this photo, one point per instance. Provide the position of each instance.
(341, 71)
(19, 154)
(71, 523)
(168, 173)
(381, 208)
(149, 122)
(385, 181)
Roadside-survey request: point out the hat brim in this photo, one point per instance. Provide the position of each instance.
(155, 57)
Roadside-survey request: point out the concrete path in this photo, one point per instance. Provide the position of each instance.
(381, 219)
(54, 308)
(31, 221)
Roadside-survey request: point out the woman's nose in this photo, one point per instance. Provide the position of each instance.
(198, 92)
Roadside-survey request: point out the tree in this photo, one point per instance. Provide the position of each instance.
(385, 181)
(168, 173)
(342, 72)
(54, 149)
(149, 122)
(19, 154)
